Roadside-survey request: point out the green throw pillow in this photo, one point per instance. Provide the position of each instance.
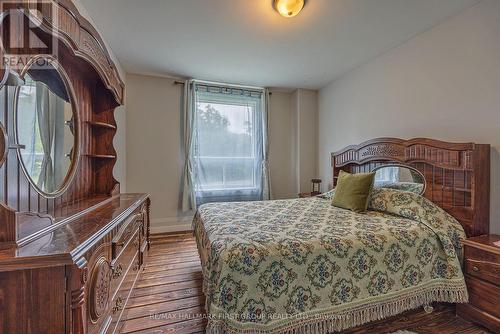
(353, 191)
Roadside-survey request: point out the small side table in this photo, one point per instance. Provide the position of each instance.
(482, 276)
(311, 194)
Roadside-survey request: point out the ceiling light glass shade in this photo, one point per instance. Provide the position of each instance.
(288, 8)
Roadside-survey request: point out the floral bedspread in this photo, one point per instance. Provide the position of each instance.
(414, 187)
(305, 266)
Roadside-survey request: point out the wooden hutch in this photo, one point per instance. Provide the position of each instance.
(69, 253)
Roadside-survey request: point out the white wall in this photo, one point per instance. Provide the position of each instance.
(293, 142)
(120, 142)
(154, 162)
(443, 84)
(281, 146)
(306, 138)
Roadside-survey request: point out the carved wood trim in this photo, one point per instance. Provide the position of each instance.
(99, 290)
(78, 276)
(88, 44)
(4, 72)
(8, 234)
(65, 22)
(457, 174)
(4, 144)
(438, 153)
(148, 222)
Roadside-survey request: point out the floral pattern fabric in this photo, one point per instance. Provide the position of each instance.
(305, 266)
(413, 187)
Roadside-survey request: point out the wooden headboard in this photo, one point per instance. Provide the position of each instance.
(457, 174)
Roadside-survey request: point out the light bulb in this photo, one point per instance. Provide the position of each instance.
(288, 8)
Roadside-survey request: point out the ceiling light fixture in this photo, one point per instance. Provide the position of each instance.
(288, 8)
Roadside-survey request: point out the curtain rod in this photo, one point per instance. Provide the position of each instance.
(177, 82)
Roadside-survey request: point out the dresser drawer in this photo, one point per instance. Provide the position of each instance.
(484, 296)
(127, 230)
(123, 263)
(119, 302)
(482, 264)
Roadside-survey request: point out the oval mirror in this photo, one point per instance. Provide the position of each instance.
(399, 177)
(45, 131)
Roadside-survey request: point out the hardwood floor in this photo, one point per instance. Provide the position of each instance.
(168, 298)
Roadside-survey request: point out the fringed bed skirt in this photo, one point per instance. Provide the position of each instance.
(329, 322)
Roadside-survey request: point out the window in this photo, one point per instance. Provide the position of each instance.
(387, 174)
(227, 152)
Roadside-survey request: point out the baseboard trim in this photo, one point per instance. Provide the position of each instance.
(155, 236)
(171, 224)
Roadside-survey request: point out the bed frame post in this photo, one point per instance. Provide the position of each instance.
(334, 172)
(481, 193)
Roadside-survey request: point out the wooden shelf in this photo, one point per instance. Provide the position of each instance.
(101, 156)
(102, 125)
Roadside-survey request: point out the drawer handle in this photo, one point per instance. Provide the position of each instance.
(118, 305)
(474, 268)
(117, 271)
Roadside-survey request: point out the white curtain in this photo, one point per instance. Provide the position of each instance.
(46, 123)
(226, 148)
(26, 126)
(266, 178)
(387, 175)
(188, 105)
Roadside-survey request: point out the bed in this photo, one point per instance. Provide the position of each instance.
(304, 266)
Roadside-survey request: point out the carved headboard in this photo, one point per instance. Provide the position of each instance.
(457, 174)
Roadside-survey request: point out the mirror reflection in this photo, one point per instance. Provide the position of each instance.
(399, 177)
(44, 118)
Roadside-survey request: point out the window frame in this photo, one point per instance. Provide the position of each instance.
(249, 99)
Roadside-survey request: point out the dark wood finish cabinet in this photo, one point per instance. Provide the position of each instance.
(77, 278)
(68, 259)
(482, 275)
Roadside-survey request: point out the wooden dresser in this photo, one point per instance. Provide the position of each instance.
(71, 244)
(78, 277)
(482, 275)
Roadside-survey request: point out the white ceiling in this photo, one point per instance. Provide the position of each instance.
(247, 42)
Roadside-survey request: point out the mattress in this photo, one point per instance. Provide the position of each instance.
(305, 266)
